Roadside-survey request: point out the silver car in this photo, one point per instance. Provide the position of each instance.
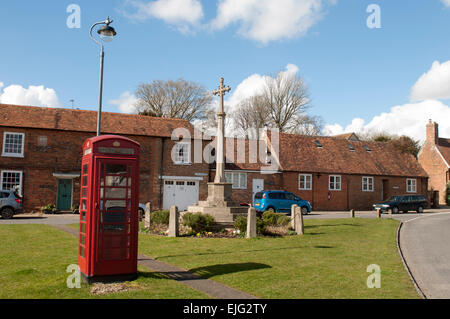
(10, 204)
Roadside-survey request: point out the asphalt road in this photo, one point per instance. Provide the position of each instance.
(424, 241)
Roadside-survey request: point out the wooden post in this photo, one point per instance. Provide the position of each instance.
(390, 212)
(299, 229)
(174, 221)
(251, 223)
(352, 213)
(148, 210)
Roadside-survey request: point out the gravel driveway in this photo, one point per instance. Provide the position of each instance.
(42, 219)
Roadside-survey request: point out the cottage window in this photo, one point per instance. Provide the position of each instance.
(334, 183)
(239, 180)
(411, 185)
(182, 153)
(13, 144)
(367, 184)
(12, 180)
(305, 182)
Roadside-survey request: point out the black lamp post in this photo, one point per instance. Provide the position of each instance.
(106, 33)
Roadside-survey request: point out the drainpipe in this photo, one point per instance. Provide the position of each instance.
(161, 174)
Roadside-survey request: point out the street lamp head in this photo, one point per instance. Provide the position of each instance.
(106, 33)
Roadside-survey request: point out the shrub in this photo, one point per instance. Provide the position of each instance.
(160, 217)
(198, 222)
(241, 224)
(274, 219)
(49, 209)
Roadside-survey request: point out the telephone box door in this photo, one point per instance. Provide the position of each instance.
(115, 210)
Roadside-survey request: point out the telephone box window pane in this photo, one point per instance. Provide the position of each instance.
(83, 228)
(113, 229)
(84, 181)
(85, 169)
(116, 192)
(83, 205)
(119, 181)
(84, 192)
(83, 216)
(83, 240)
(114, 217)
(116, 169)
(82, 251)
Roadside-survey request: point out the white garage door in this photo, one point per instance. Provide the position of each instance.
(180, 193)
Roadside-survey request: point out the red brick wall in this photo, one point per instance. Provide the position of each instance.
(63, 154)
(436, 169)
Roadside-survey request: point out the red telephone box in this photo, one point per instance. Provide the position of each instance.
(109, 194)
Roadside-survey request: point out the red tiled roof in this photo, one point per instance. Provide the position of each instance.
(86, 121)
(347, 136)
(299, 153)
(444, 147)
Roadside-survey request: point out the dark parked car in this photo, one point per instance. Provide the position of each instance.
(10, 204)
(404, 203)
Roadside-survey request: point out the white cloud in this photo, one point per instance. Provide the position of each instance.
(268, 20)
(33, 95)
(181, 13)
(254, 85)
(408, 119)
(434, 84)
(126, 102)
(446, 3)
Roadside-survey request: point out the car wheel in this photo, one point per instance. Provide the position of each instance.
(395, 210)
(270, 209)
(304, 211)
(405, 212)
(420, 209)
(7, 213)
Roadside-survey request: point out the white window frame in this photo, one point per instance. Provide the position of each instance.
(413, 187)
(14, 172)
(304, 177)
(334, 182)
(233, 176)
(5, 154)
(368, 189)
(187, 159)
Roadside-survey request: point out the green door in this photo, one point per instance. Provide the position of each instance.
(64, 194)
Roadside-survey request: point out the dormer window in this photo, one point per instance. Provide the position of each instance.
(367, 148)
(318, 144)
(350, 146)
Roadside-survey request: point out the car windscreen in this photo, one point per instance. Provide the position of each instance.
(394, 199)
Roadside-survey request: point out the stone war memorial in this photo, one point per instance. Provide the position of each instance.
(219, 202)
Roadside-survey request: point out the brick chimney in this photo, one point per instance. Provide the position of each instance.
(432, 132)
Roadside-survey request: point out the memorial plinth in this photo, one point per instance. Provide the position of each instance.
(220, 204)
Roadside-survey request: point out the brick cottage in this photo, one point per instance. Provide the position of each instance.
(435, 159)
(41, 154)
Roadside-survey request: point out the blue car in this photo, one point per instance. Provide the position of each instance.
(279, 201)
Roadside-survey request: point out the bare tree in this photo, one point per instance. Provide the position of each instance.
(282, 104)
(404, 144)
(286, 98)
(250, 116)
(174, 99)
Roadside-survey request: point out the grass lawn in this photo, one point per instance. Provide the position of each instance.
(34, 259)
(330, 261)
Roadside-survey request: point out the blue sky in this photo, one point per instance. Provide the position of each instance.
(354, 74)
